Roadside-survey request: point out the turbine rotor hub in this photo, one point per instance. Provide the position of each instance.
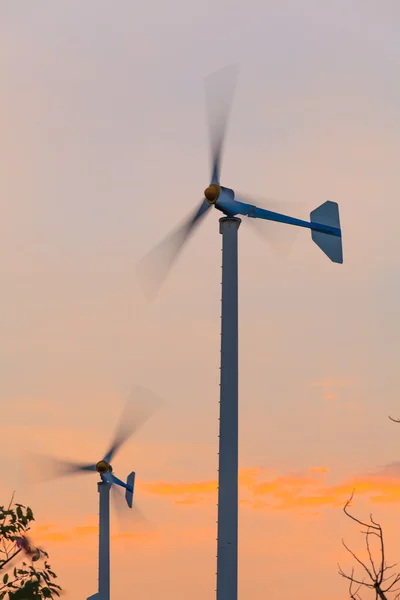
(212, 193)
(103, 466)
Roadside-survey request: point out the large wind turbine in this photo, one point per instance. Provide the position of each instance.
(133, 416)
(326, 233)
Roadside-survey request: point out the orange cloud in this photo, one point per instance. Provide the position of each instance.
(318, 470)
(86, 530)
(183, 492)
(46, 527)
(55, 536)
(163, 488)
(53, 533)
(292, 491)
(133, 535)
(247, 477)
(337, 389)
(188, 501)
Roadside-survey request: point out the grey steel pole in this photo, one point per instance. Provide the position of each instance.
(104, 540)
(227, 552)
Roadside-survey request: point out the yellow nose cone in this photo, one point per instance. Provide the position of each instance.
(102, 466)
(212, 193)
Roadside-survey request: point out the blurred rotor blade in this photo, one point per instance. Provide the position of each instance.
(128, 518)
(138, 409)
(279, 236)
(45, 468)
(219, 87)
(154, 267)
(24, 546)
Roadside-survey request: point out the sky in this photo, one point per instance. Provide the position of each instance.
(103, 150)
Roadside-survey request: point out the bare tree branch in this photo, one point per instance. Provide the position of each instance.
(369, 552)
(394, 420)
(392, 584)
(378, 571)
(359, 561)
(354, 595)
(351, 577)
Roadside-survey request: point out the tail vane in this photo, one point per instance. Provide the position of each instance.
(130, 482)
(331, 244)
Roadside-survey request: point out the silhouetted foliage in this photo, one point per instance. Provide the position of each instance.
(27, 581)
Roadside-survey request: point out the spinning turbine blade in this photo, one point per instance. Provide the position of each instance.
(279, 237)
(121, 510)
(127, 518)
(137, 411)
(219, 87)
(154, 267)
(48, 468)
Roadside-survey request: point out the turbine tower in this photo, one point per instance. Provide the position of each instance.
(135, 413)
(325, 230)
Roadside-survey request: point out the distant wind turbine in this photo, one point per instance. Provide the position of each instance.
(136, 412)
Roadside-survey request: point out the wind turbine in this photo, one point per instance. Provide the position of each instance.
(325, 230)
(132, 417)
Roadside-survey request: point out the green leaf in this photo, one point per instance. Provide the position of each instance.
(29, 514)
(28, 581)
(12, 585)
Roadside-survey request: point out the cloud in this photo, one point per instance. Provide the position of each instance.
(391, 469)
(54, 536)
(281, 487)
(318, 469)
(51, 532)
(288, 492)
(44, 528)
(83, 530)
(338, 389)
(203, 492)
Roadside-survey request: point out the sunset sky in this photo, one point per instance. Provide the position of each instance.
(103, 150)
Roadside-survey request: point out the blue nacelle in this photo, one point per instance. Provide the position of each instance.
(226, 202)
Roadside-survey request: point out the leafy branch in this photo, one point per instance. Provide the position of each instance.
(27, 582)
